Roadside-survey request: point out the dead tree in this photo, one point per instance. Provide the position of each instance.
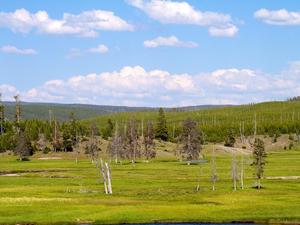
(149, 141)
(173, 132)
(77, 147)
(106, 174)
(199, 178)
(242, 133)
(115, 146)
(142, 129)
(132, 146)
(234, 170)
(190, 140)
(214, 176)
(1, 115)
(93, 144)
(55, 136)
(255, 126)
(18, 109)
(50, 117)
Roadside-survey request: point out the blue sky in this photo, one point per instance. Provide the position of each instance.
(151, 52)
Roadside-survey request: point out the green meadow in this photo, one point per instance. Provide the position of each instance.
(59, 191)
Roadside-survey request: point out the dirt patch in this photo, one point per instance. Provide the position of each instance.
(15, 173)
(284, 178)
(10, 175)
(49, 158)
(231, 150)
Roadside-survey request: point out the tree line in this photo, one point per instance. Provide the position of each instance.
(127, 142)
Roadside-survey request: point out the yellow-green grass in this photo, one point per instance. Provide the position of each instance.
(61, 192)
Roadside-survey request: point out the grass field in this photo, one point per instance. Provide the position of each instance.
(63, 192)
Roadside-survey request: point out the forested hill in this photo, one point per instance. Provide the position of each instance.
(81, 111)
(271, 118)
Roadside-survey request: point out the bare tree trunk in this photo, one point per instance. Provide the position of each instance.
(234, 171)
(117, 147)
(104, 176)
(109, 187)
(242, 171)
(50, 117)
(255, 126)
(199, 179)
(173, 130)
(242, 132)
(1, 114)
(213, 169)
(142, 129)
(55, 135)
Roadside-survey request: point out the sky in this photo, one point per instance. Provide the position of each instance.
(150, 52)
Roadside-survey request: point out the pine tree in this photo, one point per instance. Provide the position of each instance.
(259, 155)
(230, 140)
(161, 131)
(23, 148)
(149, 141)
(67, 138)
(73, 129)
(108, 130)
(190, 140)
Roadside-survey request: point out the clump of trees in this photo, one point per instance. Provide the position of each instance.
(126, 144)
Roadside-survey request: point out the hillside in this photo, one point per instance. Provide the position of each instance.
(82, 111)
(271, 118)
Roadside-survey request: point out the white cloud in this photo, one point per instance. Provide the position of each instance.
(171, 12)
(227, 31)
(99, 49)
(85, 24)
(8, 91)
(14, 50)
(135, 86)
(171, 41)
(278, 17)
(73, 53)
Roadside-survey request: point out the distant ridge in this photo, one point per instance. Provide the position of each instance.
(83, 111)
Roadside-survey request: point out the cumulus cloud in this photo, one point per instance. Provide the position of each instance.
(99, 49)
(85, 24)
(135, 86)
(280, 17)
(8, 91)
(73, 53)
(77, 52)
(14, 50)
(171, 41)
(171, 12)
